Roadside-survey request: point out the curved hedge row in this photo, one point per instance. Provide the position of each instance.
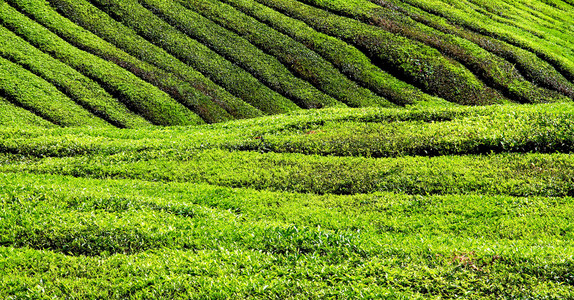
(76, 86)
(535, 69)
(348, 59)
(139, 96)
(263, 66)
(492, 69)
(175, 87)
(35, 94)
(15, 116)
(304, 62)
(87, 16)
(413, 61)
(545, 46)
(230, 76)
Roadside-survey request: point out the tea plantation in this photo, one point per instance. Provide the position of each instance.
(282, 149)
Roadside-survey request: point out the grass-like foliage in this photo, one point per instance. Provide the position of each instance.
(29, 91)
(222, 71)
(89, 17)
(136, 63)
(13, 115)
(78, 87)
(138, 95)
(468, 203)
(206, 149)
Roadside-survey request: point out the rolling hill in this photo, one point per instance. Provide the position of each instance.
(282, 149)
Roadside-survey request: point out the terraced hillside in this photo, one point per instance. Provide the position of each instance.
(137, 63)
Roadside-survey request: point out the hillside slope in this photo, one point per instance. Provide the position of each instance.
(137, 63)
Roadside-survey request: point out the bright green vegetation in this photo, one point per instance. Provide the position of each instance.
(142, 97)
(172, 150)
(133, 64)
(302, 61)
(493, 69)
(179, 90)
(81, 89)
(347, 58)
(29, 91)
(14, 115)
(547, 38)
(266, 67)
(234, 78)
(452, 202)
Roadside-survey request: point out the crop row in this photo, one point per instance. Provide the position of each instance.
(35, 94)
(139, 96)
(492, 69)
(530, 65)
(76, 86)
(501, 174)
(370, 132)
(13, 116)
(412, 61)
(476, 134)
(83, 39)
(301, 60)
(348, 59)
(86, 15)
(250, 243)
(550, 48)
(268, 69)
(223, 72)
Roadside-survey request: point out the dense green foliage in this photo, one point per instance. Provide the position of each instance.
(13, 115)
(304, 62)
(469, 203)
(97, 21)
(136, 63)
(84, 91)
(142, 97)
(234, 78)
(411, 195)
(32, 92)
(347, 58)
(493, 69)
(265, 67)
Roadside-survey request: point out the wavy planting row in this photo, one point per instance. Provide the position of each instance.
(139, 96)
(265, 67)
(490, 68)
(92, 224)
(535, 69)
(301, 60)
(82, 90)
(551, 25)
(87, 16)
(407, 59)
(16, 116)
(177, 89)
(547, 175)
(31, 92)
(512, 130)
(370, 132)
(171, 156)
(220, 70)
(218, 242)
(348, 59)
(553, 49)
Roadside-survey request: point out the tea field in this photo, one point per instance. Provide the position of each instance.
(336, 203)
(283, 149)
